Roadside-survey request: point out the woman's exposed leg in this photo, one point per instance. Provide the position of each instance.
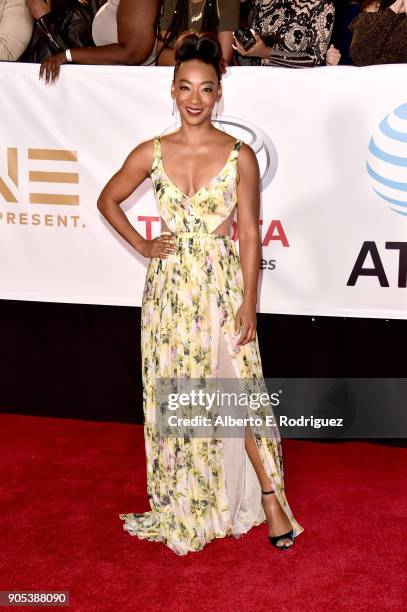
(276, 517)
(242, 485)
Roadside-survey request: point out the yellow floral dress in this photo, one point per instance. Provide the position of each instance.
(198, 488)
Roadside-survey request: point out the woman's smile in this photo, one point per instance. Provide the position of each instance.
(194, 111)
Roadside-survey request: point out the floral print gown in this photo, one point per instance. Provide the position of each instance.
(198, 488)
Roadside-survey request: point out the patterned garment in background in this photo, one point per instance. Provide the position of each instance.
(297, 31)
(198, 488)
(379, 38)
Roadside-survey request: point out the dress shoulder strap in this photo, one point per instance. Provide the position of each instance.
(238, 144)
(156, 153)
(235, 151)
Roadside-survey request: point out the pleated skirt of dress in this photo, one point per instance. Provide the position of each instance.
(199, 489)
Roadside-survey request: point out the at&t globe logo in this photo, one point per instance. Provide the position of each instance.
(387, 160)
(259, 141)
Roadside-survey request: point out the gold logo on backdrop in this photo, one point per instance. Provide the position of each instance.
(12, 171)
(12, 185)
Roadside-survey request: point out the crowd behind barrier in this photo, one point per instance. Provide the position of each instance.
(286, 33)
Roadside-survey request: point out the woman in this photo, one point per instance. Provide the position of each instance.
(380, 33)
(291, 34)
(218, 16)
(59, 24)
(136, 24)
(193, 306)
(16, 26)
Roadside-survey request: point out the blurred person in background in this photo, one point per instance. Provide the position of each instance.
(380, 33)
(118, 21)
(59, 24)
(124, 33)
(94, 6)
(291, 34)
(338, 52)
(16, 27)
(219, 17)
(245, 8)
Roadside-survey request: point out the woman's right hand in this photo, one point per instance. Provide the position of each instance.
(333, 56)
(51, 66)
(259, 49)
(161, 247)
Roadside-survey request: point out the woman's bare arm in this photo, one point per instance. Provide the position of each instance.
(248, 210)
(135, 170)
(226, 42)
(122, 184)
(135, 36)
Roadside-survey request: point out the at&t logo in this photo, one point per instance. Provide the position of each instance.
(387, 161)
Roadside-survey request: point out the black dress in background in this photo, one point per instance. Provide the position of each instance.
(67, 25)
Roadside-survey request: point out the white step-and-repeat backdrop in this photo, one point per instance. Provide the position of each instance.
(332, 147)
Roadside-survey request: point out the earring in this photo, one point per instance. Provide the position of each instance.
(216, 110)
(174, 112)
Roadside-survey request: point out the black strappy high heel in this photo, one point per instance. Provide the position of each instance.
(275, 539)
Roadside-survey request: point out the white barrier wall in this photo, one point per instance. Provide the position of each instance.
(332, 147)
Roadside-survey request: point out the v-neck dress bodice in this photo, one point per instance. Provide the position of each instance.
(206, 210)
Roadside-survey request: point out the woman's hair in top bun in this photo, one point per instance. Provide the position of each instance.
(202, 46)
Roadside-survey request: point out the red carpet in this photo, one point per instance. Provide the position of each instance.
(64, 482)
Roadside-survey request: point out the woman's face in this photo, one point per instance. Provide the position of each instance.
(196, 89)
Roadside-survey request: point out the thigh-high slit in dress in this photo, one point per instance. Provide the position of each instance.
(198, 488)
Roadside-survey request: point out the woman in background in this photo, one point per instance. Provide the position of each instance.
(59, 24)
(16, 26)
(130, 27)
(220, 17)
(293, 34)
(380, 33)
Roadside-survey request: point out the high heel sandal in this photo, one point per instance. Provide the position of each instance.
(275, 539)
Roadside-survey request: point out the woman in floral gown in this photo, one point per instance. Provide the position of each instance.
(198, 318)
